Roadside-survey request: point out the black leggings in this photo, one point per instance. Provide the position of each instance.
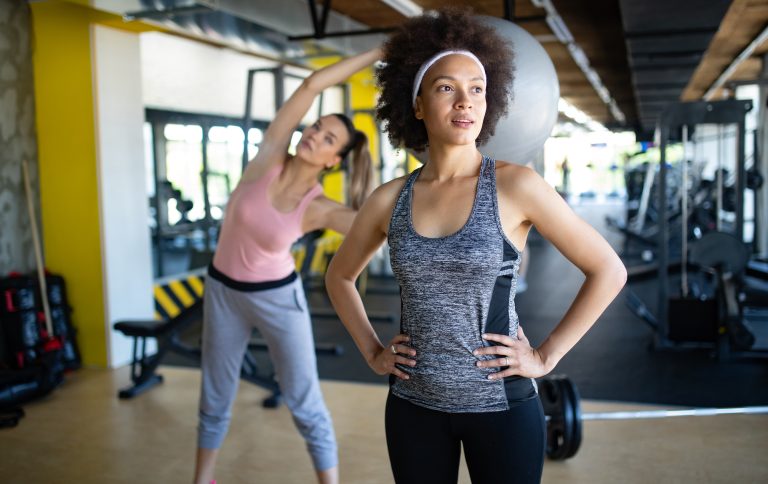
(500, 447)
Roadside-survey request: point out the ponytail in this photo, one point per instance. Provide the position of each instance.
(359, 172)
(359, 169)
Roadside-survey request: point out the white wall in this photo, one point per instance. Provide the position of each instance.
(180, 74)
(123, 202)
(183, 75)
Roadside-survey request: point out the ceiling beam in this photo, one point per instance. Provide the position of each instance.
(742, 24)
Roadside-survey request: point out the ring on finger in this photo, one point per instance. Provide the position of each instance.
(506, 361)
(392, 348)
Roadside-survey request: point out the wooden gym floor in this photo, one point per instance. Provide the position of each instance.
(83, 434)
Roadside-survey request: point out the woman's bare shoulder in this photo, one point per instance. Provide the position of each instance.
(515, 177)
(387, 193)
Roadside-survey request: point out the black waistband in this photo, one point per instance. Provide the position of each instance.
(249, 286)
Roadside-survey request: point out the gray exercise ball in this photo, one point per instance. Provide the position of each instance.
(520, 135)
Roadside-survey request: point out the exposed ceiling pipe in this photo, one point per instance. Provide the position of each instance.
(745, 54)
(405, 7)
(291, 17)
(560, 29)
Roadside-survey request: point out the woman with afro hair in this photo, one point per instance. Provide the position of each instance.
(462, 371)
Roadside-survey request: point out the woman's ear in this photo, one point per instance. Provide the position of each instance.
(417, 110)
(336, 161)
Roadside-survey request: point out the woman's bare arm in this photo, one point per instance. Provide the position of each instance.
(582, 245)
(278, 135)
(367, 234)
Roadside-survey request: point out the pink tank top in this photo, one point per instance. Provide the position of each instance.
(255, 240)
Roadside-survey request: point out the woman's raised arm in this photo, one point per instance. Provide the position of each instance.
(278, 135)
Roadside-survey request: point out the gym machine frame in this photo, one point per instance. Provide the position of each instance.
(674, 117)
(279, 75)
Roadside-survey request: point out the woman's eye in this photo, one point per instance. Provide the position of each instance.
(328, 140)
(444, 88)
(477, 90)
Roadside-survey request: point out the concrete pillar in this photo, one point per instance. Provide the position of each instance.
(17, 137)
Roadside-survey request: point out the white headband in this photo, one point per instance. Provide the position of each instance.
(428, 63)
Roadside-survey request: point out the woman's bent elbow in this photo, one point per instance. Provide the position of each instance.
(620, 273)
(333, 277)
(330, 275)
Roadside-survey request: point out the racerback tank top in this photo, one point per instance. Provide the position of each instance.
(454, 289)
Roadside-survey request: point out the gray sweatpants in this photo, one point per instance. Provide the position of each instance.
(281, 316)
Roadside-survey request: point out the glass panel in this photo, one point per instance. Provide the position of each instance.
(149, 160)
(333, 100)
(294, 141)
(263, 105)
(255, 136)
(184, 162)
(225, 158)
(186, 240)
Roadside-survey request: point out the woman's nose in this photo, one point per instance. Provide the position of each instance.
(463, 100)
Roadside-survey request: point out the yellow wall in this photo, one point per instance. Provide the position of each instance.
(67, 162)
(67, 150)
(363, 97)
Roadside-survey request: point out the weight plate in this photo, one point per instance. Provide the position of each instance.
(720, 250)
(571, 401)
(558, 404)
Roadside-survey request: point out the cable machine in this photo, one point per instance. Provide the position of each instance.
(683, 117)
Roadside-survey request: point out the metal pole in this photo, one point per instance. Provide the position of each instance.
(761, 162)
(694, 412)
(756, 222)
(684, 186)
(509, 10)
(719, 177)
(279, 78)
(741, 176)
(207, 219)
(320, 102)
(247, 121)
(161, 204)
(649, 414)
(663, 245)
(639, 221)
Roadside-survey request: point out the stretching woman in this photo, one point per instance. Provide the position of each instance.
(252, 282)
(461, 371)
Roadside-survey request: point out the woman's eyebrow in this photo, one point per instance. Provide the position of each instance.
(451, 78)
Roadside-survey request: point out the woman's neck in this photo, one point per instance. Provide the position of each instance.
(298, 176)
(447, 162)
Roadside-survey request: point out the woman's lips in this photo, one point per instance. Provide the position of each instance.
(462, 123)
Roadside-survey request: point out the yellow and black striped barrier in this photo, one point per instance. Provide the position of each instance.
(177, 293)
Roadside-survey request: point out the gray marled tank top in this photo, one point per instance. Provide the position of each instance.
(453, 289)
